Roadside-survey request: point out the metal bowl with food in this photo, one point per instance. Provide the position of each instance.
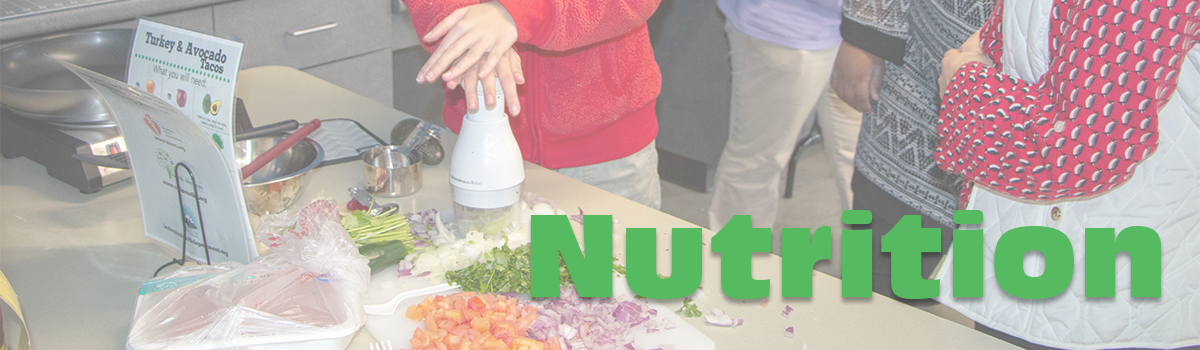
(36, 86)
(278, 184)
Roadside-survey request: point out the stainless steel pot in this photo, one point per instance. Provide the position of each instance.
(36, 86)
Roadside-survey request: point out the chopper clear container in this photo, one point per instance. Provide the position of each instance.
(486, 220)
(486, 170)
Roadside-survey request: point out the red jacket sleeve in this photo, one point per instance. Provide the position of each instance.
(1082, 127)
(560, 25)
(556, 25)
(991, 39)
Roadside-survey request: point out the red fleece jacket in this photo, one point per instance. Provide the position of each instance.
(590, 77)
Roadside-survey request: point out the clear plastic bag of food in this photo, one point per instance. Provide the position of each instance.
(307, 294)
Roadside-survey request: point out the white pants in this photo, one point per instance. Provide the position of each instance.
(634, 177)
(775, 90)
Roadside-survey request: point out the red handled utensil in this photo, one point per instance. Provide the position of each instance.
(278, 149)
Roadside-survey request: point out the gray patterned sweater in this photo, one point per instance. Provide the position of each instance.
(897, 140)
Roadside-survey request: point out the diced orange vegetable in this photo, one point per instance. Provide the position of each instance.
(523, 343)
(481, 324)
(495, 344)
(497, 306)
(453, 340)
(471, 321)
(476, 304)
(419, 338)
(504, 331)
(431, 324)
(417, 311)
(444, 323)
(462, 330)
(454, 315)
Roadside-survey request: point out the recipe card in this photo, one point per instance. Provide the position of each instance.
(186, 189)
(193, 72)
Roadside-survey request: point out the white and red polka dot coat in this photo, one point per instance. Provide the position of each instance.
(1081, 129)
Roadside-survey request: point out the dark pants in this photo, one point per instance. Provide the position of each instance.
(886, 211)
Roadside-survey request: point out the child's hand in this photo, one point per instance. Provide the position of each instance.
(508, 69)
(955, 59)
(466, 35)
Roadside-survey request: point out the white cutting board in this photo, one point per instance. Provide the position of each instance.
(399, 329)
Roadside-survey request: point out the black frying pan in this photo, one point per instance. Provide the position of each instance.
(34, 85)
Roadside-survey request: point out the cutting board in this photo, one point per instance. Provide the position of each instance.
(398, 329)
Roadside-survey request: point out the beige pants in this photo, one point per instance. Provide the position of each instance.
(634, 177)
(775, 90)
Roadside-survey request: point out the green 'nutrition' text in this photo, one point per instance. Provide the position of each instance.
(801, 248)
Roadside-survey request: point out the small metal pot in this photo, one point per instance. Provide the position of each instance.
(388, 172)
(36, 86)
(278, 185)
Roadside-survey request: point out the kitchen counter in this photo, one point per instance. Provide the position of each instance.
(76, 261)
(92, 15)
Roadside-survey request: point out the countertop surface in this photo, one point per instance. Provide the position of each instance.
(91, 15)
(77, 261)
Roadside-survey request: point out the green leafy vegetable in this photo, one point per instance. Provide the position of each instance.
(618, 268)
(385, 239)
(387, 226)
(503, 270)
(689, 309)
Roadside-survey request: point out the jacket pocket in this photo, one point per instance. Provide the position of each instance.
(609, 69)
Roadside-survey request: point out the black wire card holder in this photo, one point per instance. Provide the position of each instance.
(183, 220)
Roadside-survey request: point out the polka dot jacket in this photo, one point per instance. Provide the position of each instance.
(1082, 127)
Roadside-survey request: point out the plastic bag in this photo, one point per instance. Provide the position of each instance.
(308, 292)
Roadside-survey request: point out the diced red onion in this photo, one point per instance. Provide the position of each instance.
(789, 332)
(404, 268)
(423, 225)
(577, 218)
(599, 323)
(787, 310)
(567, 331)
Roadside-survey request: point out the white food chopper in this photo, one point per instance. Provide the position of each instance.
(486, 170)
